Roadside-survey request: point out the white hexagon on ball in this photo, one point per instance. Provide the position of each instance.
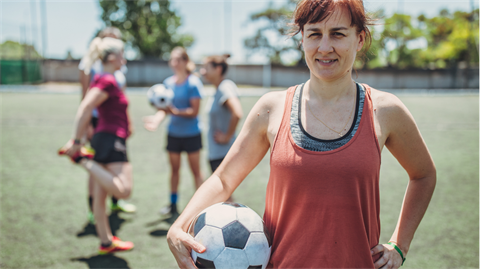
(231, 258)
(257, 249)
(250, 219)
(220, 215)
(213, 238)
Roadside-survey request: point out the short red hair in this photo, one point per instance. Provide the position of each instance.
(313, 11)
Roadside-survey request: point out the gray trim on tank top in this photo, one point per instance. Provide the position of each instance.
(308, 142)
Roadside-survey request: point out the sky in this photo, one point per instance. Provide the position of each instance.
(218, 29)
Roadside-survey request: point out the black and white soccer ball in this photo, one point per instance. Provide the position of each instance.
(234, 236)
(160, 96)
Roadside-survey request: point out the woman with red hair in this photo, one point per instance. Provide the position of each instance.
(325, 138)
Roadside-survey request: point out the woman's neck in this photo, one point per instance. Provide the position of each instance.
(217, 81)
(180, 77)
(108, 68)
(332, 90)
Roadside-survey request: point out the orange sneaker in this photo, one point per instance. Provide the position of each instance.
(84, 152)
(116, 246)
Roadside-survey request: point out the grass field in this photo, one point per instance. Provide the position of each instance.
(43, 196)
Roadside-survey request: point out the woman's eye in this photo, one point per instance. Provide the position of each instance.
(338, 34)
(314, 34)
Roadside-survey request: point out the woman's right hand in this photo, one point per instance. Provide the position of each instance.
(150, 123)
(70, 148)
(181, 244)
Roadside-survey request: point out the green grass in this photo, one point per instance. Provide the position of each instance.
(43, 196)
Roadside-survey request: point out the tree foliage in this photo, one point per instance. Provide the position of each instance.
(272, 39)
(452, 38)
(12, 50)
(149, 26)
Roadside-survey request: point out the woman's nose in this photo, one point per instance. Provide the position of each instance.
(325, 45)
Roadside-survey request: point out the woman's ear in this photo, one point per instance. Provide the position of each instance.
(361, 40)
(111, 57)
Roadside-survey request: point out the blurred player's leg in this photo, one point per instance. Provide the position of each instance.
(175, 160)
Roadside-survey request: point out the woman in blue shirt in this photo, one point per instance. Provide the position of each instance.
(184, 132)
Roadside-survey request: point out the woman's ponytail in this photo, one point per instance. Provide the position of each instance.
(92, 55)
(99, 49)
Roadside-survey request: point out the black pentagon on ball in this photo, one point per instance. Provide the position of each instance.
(233, 204)
(199, 223)
(202, 263)
(235, 235)
(255, 267)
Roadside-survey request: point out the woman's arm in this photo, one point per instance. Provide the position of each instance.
(85, 82)
(406, 144)
(248, 150)
(93, 99)
(151, 122)
(131, 129)
(234, 106)
(189, 112)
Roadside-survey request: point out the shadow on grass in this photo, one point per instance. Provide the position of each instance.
(103, 261)
(115, 222)
(162, 232)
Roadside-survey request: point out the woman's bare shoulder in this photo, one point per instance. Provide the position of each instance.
(273, 99)
(268, 107)
(386, 103)
(389, 109)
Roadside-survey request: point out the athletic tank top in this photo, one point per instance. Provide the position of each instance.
(322, 208)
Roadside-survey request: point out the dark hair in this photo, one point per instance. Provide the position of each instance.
(219, 60)
(313, 11)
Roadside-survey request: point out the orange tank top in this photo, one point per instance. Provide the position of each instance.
(322, 208)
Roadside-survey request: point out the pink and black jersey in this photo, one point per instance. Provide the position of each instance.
(112, 114)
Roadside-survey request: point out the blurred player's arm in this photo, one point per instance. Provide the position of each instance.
(93, 99)
(234, 106)
(151, 122)
(189, 112)
(84, 81)
(131, 129)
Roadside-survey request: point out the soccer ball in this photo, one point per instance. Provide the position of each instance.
(234, 236)
(159, 96)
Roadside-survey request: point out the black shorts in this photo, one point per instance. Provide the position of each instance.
(188, 144)
(214, 164)
(109, 148)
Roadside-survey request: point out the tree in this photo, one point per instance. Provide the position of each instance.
(449, 39)
(11, 50)
(149, 26)
(272, 39)
(452, 38)
(398, 32)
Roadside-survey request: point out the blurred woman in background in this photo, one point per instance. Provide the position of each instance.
(110, 170)
(86, 79)
(184, 132)
(225, 111)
